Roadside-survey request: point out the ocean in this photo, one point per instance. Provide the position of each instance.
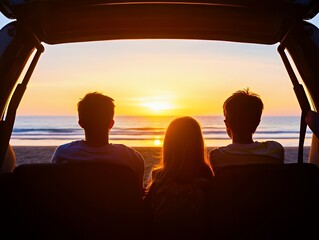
(147, 131)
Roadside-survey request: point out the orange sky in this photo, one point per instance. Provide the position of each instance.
(166, 77)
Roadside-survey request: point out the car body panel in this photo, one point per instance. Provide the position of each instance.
(281, 22)
(16, 46)
(57, 21)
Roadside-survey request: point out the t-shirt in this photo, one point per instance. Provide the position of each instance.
(252, 153)
(110, 153)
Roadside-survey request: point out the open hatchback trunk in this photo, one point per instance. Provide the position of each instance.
(266, 22)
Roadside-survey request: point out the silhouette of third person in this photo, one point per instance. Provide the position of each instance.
(176, 199)
(242, 113)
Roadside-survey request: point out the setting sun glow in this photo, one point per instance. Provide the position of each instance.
(158, 106)
(157, 142)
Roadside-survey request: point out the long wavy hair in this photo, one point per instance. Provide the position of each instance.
(184, 155)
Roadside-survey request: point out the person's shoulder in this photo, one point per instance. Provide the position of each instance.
(273, 144)
(67, 149)
(275, 149)
(69, 145)
(217, 151)
(126, 149)
(219, 156)
(120, 146)
(59, 152)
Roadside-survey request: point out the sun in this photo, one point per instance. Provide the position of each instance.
(157, 142)
(158, 106)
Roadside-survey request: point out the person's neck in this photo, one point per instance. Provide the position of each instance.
(243, 139)
(96, 140)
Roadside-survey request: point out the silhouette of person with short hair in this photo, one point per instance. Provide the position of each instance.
(95, 116)
(242, 112)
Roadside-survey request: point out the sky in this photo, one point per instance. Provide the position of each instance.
(158, 77)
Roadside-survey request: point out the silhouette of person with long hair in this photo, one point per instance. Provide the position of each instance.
(176, 198)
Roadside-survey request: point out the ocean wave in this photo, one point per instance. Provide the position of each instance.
(137, 130)
(45, 130)
(143, 130)
(140, 137)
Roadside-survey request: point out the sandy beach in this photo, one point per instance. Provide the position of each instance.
(42, 154)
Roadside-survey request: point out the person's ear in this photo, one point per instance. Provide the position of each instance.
(81, 124)
(257, 124)
(111, 124)
(228, 128)
(227, 123)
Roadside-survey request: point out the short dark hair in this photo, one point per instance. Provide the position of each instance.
(243, 111)
(96, 109)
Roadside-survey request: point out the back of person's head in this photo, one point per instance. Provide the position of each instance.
(96, 111)
(242, 110)
(184, 152)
